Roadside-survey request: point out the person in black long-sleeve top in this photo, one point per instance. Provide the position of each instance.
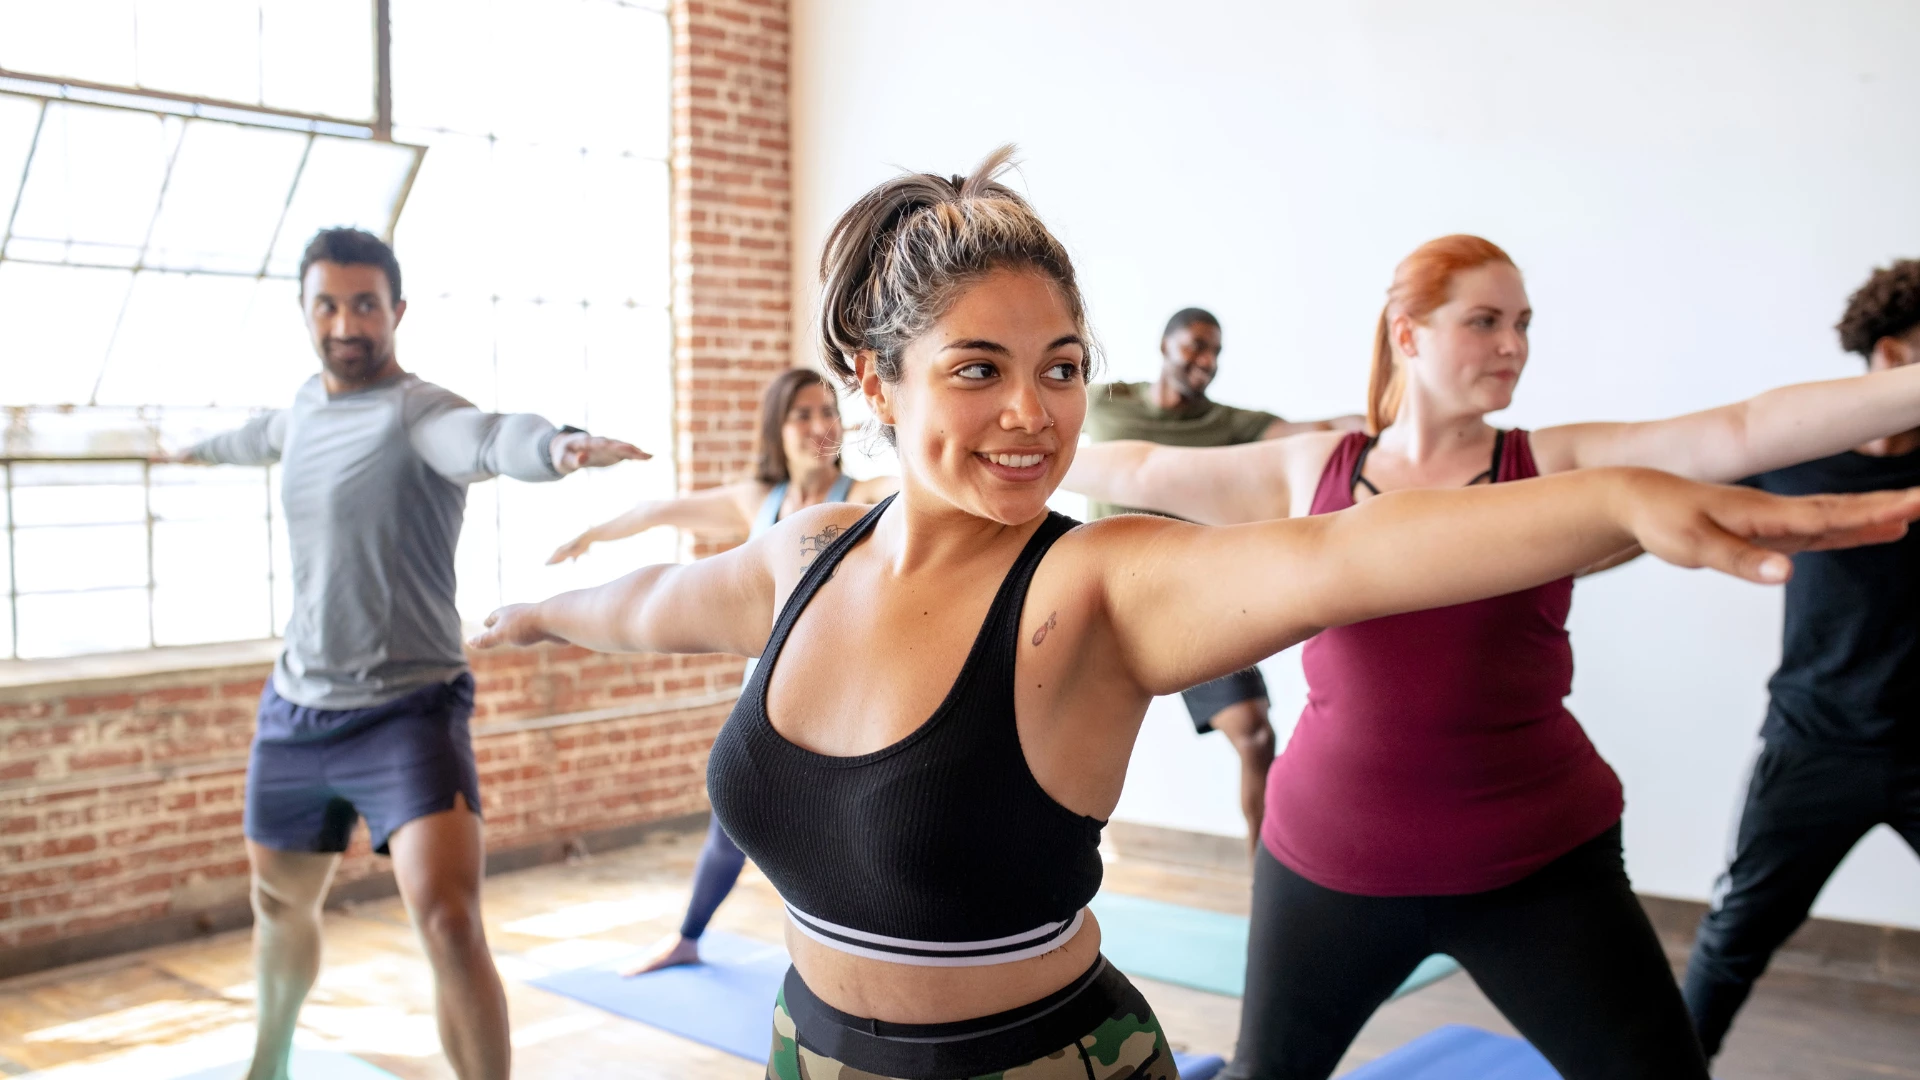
(1841, 749)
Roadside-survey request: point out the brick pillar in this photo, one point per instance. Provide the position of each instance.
(731, 217)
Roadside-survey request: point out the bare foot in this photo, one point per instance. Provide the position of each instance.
(673, 952)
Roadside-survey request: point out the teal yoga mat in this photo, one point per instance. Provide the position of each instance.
(1206, 950)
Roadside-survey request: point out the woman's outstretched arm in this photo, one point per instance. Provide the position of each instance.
(1190, 603)
(1780, 427)
(724, 603)
(715, 510)
(1223, 485)
(1281, 429)
(719, 604)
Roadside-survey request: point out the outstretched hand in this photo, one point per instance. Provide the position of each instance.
(578, 450)
(1749, 534)
(572, 549)
(515, 626)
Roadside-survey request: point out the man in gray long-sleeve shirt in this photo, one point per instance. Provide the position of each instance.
(366, 714)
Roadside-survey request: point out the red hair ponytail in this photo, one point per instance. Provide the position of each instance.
(1384, 381)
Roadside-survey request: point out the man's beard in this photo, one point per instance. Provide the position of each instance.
(1193, 382)
(354, 365)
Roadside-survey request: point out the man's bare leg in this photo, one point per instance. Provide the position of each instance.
(288, 890)
(439, 860)
(1246, 726)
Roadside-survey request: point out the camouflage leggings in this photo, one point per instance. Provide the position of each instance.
(1126, 1045)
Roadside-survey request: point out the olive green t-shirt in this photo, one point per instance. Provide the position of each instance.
(1129, 411)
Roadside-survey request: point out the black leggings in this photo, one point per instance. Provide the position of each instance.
(1566, 953)
(1807, 806)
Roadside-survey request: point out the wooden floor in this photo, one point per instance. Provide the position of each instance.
(170, 1011)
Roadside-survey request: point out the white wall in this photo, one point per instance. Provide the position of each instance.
(1692, 187)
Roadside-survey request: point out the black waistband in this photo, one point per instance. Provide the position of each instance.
(986, 1044)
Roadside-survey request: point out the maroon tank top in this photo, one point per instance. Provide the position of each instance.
(1435, 756)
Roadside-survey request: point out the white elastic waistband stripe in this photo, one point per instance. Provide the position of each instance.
(1027, 953)
(1042, 931)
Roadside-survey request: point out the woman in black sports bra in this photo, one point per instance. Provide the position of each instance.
(932, 822)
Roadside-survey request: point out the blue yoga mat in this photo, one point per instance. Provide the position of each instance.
(1206, 950)
(1455, 1052)
(306, 1065)
(725, 1002)
(1198, 1066)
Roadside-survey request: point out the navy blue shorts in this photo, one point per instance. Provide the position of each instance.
(313, 771)
(1204, 702)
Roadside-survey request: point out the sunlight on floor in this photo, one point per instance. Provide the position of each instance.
(595, 917)
(583, 952)
(152, 1022)
(233, 1042)
(373, 1029)
(559, 1027)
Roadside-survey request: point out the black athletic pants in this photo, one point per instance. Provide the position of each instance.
(1806, 807)
(1566, 953)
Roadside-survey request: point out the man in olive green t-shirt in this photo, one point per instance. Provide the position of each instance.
(1175, 410)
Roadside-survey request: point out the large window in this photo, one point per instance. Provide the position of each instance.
(161, 166)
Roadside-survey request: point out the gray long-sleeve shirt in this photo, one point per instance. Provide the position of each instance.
(374, 483)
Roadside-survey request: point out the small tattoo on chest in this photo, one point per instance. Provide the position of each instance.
(812, 545)
(1053, 620)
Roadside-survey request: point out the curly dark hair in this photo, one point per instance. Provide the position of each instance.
(1888, 305)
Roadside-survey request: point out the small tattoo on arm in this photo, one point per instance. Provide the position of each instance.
(811, 546)
(1053, 620)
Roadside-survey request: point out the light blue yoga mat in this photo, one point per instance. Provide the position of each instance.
(1455, 1052)
(1198, 1066)
(1206, 950)
(306, 1065)
(725, 1002)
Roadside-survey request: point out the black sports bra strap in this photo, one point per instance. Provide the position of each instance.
(1491, 474)
(818, 572)
(1012, 598)
(1360, 463)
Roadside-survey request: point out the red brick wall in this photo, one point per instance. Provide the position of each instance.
(120, 800)
(732, 207)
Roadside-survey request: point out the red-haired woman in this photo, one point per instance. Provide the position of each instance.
(1437, 796)
(798, 466)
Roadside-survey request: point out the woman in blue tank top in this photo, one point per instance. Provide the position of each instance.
(798, 467)
(951, 682)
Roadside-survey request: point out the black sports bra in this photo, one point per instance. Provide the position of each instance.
(1490, 474)
(941, 849)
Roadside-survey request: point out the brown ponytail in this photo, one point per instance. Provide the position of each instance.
(1421, 283)
(905, 251)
